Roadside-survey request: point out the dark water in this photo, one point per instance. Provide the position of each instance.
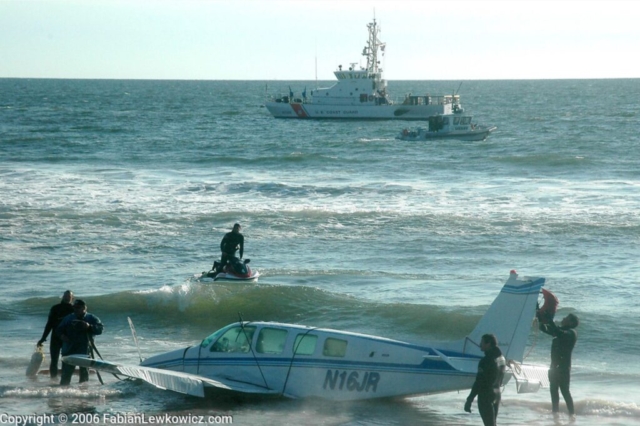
(121, 191)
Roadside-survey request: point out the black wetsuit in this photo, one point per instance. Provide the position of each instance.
(560, 369)
(231, 242)
(487, 385)
(78, 342)
(56, 314)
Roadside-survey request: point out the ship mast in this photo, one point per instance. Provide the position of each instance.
(371, 49)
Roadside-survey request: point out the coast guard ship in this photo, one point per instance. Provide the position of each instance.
(362, 94)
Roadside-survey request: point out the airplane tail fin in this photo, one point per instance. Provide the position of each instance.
(509, 317)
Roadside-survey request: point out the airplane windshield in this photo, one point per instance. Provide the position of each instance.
(213, 337)
(234, 339)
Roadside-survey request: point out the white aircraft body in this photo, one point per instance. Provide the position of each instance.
(296, 361)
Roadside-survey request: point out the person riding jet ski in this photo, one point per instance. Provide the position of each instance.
(231, 242)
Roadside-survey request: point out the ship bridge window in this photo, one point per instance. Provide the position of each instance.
(305, 344)
(334, 347)
(456, 121)
(271, 341)
(466, 120)
(235, 339)
(445, 121)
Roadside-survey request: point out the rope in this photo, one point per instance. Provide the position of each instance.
(254, 354)
(92, 347)
(514, 366)
(295, 351)
(535, 340)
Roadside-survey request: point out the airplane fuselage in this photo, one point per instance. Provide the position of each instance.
(300, 362)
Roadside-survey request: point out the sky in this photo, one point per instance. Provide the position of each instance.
(308, 39)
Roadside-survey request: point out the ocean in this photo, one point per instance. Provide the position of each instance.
(121, 191)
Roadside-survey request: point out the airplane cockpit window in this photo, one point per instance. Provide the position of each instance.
(271, 341)
(305, 344)
(234, 339)
(334, 347)
(213, 337)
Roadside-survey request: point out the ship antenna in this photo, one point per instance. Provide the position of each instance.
(371, 49)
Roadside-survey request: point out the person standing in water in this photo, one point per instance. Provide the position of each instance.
(491, 370)
(76, 331)
(56, 315)
(564, 340)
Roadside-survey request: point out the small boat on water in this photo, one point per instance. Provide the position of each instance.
(448, 126)
(361, 94)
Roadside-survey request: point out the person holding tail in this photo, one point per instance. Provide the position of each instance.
(76, 331)
(564, 340)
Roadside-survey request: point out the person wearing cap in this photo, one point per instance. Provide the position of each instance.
(56, 315)
(231, 242)
(76, 331)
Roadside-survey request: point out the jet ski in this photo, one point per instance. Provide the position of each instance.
(235, 270)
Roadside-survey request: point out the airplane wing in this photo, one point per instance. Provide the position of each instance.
(190, 384)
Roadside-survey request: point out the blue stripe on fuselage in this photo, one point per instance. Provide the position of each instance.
(426, 365)
(531, 288)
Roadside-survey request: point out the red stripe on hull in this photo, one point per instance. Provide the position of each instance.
(300, 112)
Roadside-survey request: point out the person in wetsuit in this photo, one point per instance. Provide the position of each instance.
(76, 331)
(564, 339)
(56, 314)
(491, 370)
(231, 242)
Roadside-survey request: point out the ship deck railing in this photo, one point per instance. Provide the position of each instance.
(408, 100)
(430, 100)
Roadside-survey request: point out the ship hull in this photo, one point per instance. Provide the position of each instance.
(479, 134)
(355, 112)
